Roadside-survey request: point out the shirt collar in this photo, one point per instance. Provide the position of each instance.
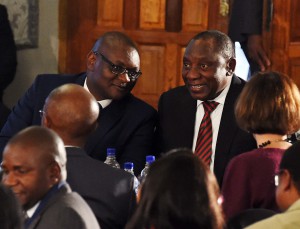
(104, 103)
(31, 211)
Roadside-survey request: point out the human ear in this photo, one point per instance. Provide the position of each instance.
(230, 66)
(286, 181)
(91, 59)
(55, 173)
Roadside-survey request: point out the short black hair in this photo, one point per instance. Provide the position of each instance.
(223, 43)
(291, 162)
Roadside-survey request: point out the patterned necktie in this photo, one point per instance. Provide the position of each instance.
(204, 140)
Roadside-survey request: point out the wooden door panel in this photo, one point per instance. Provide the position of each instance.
(150, 84)
(195, 15)
(152, 14)
(295, 70)
(283, 40)
(110, 13)
(295, 21)
(161, 29)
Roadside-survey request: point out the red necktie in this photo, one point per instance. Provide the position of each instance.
(204, 140)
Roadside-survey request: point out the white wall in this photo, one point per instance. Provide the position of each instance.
(34, 61)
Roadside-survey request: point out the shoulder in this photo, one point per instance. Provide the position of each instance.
(244, 159)
(280, 220)
(46, 82)
(76, 213)
(78, 157)
(176, 97)
(137, 106)
(237, 82)
(236, 87)
(59, 78)
(69, 201)
(177, 91)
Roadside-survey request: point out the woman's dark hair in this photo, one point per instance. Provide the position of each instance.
(269, 103)
(10, 210)
(179, 192)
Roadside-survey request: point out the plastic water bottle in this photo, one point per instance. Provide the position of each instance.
(149, 160)
(111, 158)
(128, 167)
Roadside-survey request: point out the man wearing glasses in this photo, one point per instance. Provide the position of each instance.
(287, 193)
(126, 123)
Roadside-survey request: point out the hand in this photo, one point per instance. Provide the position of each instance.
(256, 51)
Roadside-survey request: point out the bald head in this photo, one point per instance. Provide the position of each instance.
(34, 160)
(114, 40)
(44, 141)
(72, 112)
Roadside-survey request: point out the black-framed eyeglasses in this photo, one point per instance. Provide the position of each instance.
(118, 70)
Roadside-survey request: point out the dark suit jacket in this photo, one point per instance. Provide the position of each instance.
(177, 111)
(65, 209)
(107, 190)
(8, 53)
(127, 124)
(245, 19)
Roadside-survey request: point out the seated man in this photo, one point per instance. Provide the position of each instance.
(127, 123)
(287, 193)
(34, 167)
(200, 115)
(72, 113)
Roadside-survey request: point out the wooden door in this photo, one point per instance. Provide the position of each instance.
(282, 39)
(161, 28)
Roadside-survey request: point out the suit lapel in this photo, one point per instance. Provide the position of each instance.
(109, 117)
(188, 105)
(228, 122)
(80, 80)
(64, 189)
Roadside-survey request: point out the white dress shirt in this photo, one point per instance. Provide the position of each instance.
(215, 120)
(104, 103)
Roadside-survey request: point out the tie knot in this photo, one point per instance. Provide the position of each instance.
(210, 106)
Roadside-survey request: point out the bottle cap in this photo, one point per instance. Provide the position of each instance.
(111, 152)
(128, 165)
(150, 159)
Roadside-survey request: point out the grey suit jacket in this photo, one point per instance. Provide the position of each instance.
(108, 191)
(64, 210)
(177, 113)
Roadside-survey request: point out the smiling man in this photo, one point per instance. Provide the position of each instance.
(126, 123)
(200, 115)
(34, 168)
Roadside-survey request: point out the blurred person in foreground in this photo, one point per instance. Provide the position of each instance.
(287, 193)
(34, 168)
(10, 210)
(72, 112)
(179, 192)
(268, 108)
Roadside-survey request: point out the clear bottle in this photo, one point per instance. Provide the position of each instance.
(149, 160)
(111, 158)
(128, 167)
